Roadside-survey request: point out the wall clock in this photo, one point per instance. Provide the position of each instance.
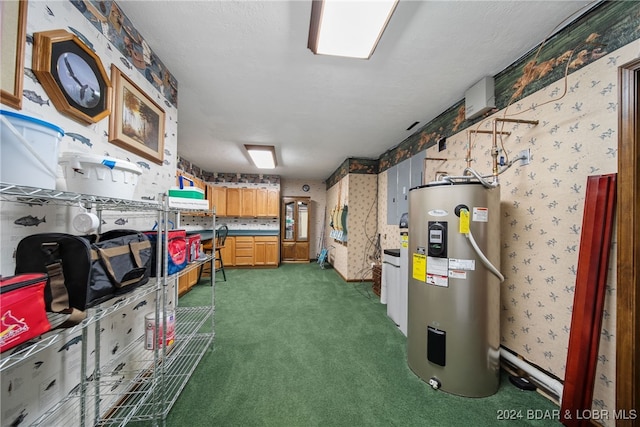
(72, 75)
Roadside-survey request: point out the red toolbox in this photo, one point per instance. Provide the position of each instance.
(22, 309)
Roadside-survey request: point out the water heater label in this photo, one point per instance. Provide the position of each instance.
(457, 274)
(438, 212)
(419, 267)
(438, 266)
(462, 264)
(437, 280)
(480, 214)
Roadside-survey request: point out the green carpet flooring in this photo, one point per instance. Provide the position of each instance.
(298, 346)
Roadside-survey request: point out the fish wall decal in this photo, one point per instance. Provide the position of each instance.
(34, 97)
(29, 221)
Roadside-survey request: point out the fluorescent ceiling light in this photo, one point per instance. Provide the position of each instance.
(348, 28)
(263, 156)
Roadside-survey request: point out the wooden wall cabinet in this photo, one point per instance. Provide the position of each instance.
(248, 205)
(217, 197)
(241, 202)
(267, 202)
(234, 201)
(295, 229)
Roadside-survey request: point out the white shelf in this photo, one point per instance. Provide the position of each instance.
(147, 386)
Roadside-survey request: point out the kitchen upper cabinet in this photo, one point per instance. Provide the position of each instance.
(295, 229)
(217, 197)
(234, 202)
(252, 202)
(267, 202)
(248, 204)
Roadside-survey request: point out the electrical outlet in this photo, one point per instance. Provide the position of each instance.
(525, 157)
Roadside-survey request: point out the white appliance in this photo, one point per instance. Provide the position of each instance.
(391, 282)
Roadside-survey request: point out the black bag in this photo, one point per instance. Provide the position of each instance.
(94, 268)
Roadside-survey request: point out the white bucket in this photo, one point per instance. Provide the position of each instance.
(28, 150)
(99, 175)
(151, 338)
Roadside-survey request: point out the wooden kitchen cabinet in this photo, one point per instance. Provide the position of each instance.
(228, 252)
(248, 205)
(267, 202)
(244, 251)
(241, 202)
(217, 197)
(266, 250)
(187, 280)
(295, 229)
(234, 201)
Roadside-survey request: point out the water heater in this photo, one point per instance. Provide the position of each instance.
(453, 331)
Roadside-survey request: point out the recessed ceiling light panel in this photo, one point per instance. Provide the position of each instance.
(348, 28)
(263, 156)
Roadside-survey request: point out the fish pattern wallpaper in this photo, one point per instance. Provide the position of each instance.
(107, 17)
(32, 386)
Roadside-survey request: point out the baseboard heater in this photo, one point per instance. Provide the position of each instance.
(549, 384)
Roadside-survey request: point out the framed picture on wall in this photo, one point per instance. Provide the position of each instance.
(13, 24)
(136, 122)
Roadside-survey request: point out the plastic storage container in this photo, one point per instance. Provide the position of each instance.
(153, 337)
(99, 175)
(29, 150)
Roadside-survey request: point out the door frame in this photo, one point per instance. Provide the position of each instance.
(628, 238)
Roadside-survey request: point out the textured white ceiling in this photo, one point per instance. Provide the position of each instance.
(245, 75)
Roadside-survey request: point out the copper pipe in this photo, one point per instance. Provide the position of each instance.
(468, 158)
(494, 151)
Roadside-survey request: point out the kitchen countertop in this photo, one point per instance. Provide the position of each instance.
(208, 233)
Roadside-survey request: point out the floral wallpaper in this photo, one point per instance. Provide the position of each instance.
(362, 222)
(542, 209)
(359, 193)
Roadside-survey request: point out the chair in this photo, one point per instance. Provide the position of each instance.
(221, 237)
